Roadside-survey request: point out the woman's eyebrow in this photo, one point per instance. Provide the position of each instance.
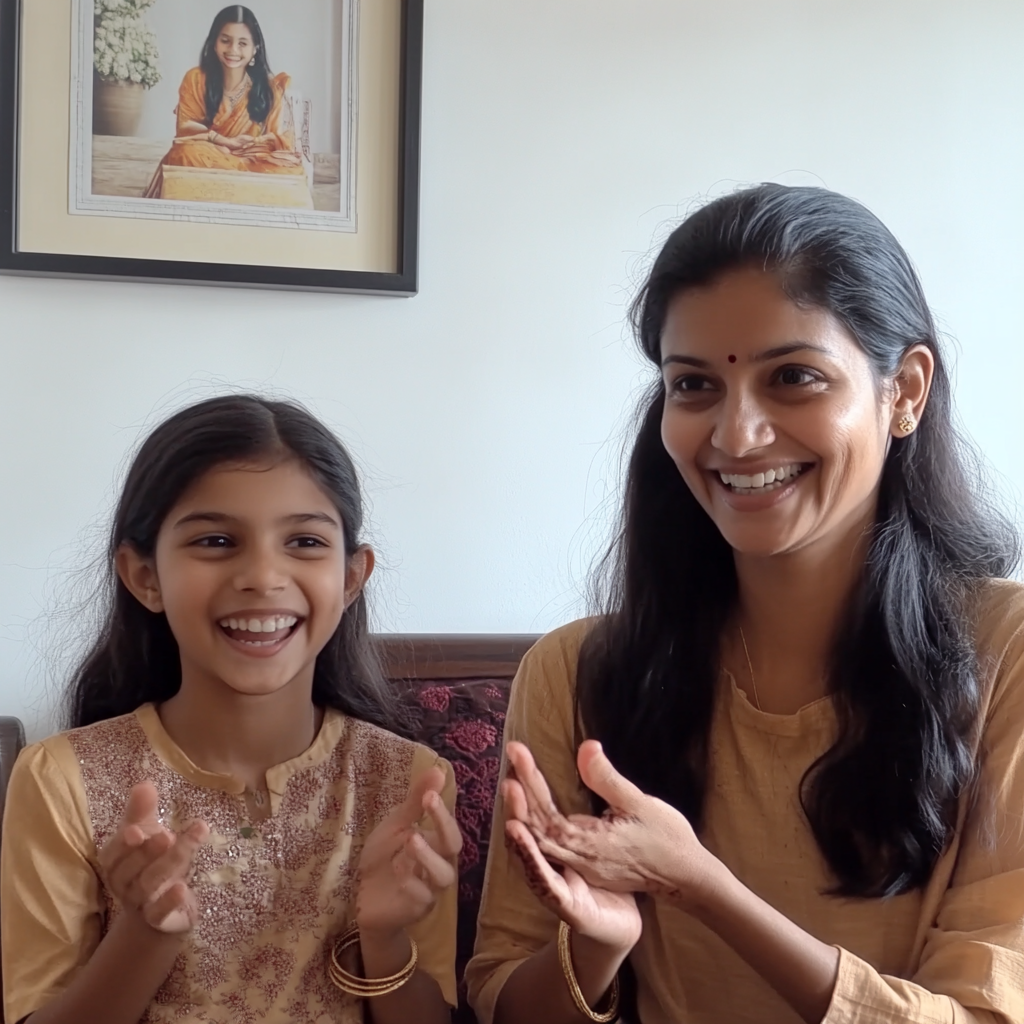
(761, 357)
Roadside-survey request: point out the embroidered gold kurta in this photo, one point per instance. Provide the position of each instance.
(950, 953)
(272, 894)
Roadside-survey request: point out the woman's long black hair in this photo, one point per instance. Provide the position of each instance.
(135, 659)
(261, 96)
(882, 802)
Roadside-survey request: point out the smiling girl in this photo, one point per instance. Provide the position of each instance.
(232, 831)
(233, 113)
(782, 777)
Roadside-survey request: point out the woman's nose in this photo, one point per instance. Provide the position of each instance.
(742, 426)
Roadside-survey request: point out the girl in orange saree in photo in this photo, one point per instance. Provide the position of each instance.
(233, 114)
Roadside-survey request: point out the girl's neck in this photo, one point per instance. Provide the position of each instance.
(223, 731)
(790, 611)
(233, 78)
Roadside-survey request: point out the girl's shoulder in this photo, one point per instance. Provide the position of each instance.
(193, 82)
(280, 82)
(378, 751)
(50, 771)
(66, 750)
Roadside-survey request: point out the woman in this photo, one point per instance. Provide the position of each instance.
(804, 708)
(233, 114)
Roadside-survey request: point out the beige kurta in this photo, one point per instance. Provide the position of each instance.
(272, 894)
(951, 953)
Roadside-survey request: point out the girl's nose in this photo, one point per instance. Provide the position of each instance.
(741, 427)
(260, 573)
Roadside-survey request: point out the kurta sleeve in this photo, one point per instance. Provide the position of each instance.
(972, 965)
(50, 896)
(435, 934)
(513, 924)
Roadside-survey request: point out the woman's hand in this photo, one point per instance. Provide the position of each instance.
(640, 844)
(403, 869)
(144, 864)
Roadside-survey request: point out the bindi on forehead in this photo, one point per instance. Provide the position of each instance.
(732, 359)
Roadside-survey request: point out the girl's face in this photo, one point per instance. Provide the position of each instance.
(234, 46)
(773, 415)
(251, 572)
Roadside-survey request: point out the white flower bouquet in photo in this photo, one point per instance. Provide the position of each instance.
(125, 47)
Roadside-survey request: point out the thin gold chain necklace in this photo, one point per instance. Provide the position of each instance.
(750, 669)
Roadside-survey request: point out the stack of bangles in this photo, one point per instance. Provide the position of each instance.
(367, 988)
(565, 959)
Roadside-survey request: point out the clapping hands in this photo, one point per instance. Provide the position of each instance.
(403, 868)
(145, 864)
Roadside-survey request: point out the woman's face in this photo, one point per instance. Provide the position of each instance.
(772, 415)
(234, 46)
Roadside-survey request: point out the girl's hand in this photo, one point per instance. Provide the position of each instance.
(144, 864)
(640, 844)
(402, 870)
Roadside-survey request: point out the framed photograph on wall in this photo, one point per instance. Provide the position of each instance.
(275, 145)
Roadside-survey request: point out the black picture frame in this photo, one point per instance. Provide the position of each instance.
(404, 282)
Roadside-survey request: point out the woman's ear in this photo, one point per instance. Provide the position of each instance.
(138, 574)
(911, 387)
(357, 571)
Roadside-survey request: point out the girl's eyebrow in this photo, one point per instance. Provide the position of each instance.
(762, 357)
(223, 517)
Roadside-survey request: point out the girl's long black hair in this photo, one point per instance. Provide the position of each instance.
(261, 96)
(135, 659)
(882, 802)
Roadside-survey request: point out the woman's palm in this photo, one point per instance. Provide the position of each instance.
(611, 918)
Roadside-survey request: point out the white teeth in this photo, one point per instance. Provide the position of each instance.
(271, 625)
(757, 481)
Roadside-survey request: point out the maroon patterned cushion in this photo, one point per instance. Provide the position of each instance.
(463, 720)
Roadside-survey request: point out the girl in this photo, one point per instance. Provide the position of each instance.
(809, 680)
(233, 114)
(232, 831)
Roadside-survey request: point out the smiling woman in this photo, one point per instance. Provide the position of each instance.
(780, 777)
(234, 819)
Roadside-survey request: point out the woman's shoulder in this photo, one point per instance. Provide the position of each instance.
(998, 614)
(556, 653)
(280, 82)
(194, 77)
(998, 623)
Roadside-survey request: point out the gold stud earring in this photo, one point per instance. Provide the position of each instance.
(907, 424)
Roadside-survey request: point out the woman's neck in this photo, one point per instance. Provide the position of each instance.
(790, 610)
(223, 731)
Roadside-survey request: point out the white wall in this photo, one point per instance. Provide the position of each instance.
(561, 139)
(301, 36)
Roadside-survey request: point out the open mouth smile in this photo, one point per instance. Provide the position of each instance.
(763, 483)
(259, 631)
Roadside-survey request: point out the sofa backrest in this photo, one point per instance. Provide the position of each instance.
(456, 687)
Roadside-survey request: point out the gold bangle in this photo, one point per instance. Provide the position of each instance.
(367, 988)
(565, 959)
